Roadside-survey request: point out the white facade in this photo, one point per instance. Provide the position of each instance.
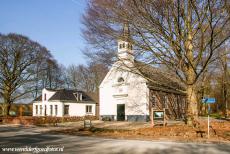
(48, 107)
(133, 93)
(121, 86)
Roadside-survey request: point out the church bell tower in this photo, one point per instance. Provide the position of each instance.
(125, 51)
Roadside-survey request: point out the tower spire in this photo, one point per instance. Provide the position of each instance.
(126, 31)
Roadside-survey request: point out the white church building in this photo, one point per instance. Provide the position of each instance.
(63, 102)
(131, 89)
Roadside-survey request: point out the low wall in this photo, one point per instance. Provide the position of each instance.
(17, 120)
(134, 118)
(28, 120)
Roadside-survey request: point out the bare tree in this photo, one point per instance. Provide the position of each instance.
(73, 76)
(182, 35)
(39, 75)
(98, 73)
(18, 58)
(105, 57)
(223, 60)
(47, 74)
(86, 78)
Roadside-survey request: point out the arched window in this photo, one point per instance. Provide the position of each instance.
(120, 80)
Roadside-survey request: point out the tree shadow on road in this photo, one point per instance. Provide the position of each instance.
(79, 144)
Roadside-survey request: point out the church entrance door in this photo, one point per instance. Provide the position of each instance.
(120, 112)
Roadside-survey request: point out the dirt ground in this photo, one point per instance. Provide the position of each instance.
(174, 131)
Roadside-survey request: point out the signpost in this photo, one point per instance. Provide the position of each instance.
(158, 115)
(87, 124)
(208, 101)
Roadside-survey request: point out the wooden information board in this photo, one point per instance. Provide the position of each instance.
(158, 116)
(87, 124)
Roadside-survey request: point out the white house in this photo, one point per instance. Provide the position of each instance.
(131, 89)
(63, 102)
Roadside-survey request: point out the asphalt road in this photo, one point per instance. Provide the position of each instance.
(17, 137)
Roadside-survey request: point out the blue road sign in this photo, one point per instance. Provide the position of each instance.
(209, 100)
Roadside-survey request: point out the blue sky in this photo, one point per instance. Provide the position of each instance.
(55, 24)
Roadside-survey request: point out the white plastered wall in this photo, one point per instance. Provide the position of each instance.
(134, 93)
(79, 109)
(75, 109)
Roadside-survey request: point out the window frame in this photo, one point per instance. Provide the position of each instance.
(36, 109)
(88, 109)
(45, 110)
(51, 110)
(56, 110)
(78, 96)
(66, 112)
(40, 109)
(120, 80)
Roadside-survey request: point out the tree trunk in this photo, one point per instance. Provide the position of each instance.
(192, 101)
(192, 109)
(6, 109)
(225, 89)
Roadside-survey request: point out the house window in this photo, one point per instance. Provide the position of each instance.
(120, 80)
(88, 108)
(56, 109)
(120, 46)
(36, 109)
(78, 96)
(123, 45)
(66, 109)
(45, 111)
(40, 109)
(45, 97)
(51, 109)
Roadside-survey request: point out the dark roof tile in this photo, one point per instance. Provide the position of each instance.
(159, 79)
(68, 95)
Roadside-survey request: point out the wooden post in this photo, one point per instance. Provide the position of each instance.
(152, 119)
(164, 117)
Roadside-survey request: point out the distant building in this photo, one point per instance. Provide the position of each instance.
(63, 102)
(131, 89)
